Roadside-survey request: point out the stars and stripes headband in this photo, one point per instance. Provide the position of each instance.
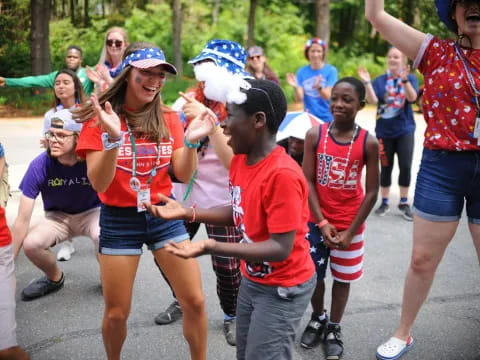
(315, 40)
(144, 59)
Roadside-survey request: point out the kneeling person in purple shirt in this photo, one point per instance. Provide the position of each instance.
(70, 203)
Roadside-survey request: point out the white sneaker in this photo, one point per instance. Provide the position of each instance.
(66, 251)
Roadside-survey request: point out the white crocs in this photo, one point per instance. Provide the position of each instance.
(394, 348)
(66, 251)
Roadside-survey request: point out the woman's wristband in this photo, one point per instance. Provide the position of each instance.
(322, 223)
(193, 213)
(189, 145)
(405, 81)
(367, 83)
(108, 144)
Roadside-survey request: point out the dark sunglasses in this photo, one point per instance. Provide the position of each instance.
(117, 43)
(254, 57)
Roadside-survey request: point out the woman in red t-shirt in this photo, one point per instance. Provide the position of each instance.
(129, 141)
(270, 208)
(449, 176)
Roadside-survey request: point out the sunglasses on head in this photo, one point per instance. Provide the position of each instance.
(118, 43)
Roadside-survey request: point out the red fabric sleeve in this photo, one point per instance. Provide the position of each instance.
(5, 236)
(285, 195)
(436, 48)
(90, 138)
(176, 129)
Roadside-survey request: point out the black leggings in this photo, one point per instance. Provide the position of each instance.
(403, 147)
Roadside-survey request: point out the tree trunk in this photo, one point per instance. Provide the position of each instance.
(322, 16)
(251, 23)
(215, 11)
(72, 11)
(86, 17)
(53, 5)
(40, 47)
(64, 8)
(177, 14)
(409, 7)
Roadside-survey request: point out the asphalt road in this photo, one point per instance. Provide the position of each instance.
(66, 325)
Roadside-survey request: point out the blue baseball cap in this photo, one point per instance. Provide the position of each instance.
(444, 8)
(225, 53)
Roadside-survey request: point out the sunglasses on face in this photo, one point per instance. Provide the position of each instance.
(117, 43)
(60, 138)
(254, 57)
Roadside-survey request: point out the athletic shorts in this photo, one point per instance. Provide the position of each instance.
(345, 265)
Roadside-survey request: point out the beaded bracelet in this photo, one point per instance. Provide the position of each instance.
(322, 223)
(190, 145)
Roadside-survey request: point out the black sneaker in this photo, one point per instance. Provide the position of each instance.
(314, 332)
(334, 343)
(171, 314)
(230, 331)
(382, 209)
(406, 212)
(41, 287)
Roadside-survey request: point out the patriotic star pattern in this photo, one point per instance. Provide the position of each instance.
(345, 265)
(227, 54)
(449, 106)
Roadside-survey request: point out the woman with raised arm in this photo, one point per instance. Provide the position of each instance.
(128, 141)
(393, 93)
(449, 174)
(313, 83)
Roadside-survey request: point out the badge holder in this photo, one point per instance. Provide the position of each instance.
(143, 196)
(476, 129)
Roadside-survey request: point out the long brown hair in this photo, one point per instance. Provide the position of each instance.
(80, 96)
(147, 121)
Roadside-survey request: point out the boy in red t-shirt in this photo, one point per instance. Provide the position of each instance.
(270, 208)
(334, 157)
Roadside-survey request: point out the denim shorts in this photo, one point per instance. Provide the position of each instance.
(445, 182)
(123, 231)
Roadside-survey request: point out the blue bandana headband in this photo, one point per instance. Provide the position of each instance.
(145, 58)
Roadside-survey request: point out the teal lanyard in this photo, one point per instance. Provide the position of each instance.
(190, 186)
(135, 183)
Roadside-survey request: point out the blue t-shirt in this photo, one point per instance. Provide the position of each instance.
(312, 100)
(63, 188)
(393, 125)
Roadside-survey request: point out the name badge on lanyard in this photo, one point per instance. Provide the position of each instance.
(475, 91)
(143, 196)
(143, 191)
(476, 129)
